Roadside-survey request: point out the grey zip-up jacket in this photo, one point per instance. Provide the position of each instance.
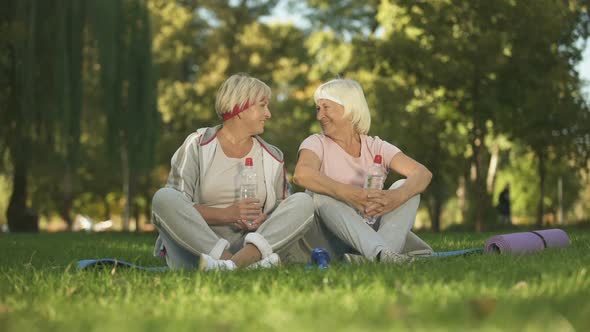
(191, 161)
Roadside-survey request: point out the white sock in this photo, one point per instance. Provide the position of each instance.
(273, 260)
(230, 265)
(208, 263)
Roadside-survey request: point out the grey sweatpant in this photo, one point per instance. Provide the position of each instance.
(185, 234)
(340, 229)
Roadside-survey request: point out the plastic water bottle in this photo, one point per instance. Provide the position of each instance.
(248, 181)
(374, 180)
(321, 258)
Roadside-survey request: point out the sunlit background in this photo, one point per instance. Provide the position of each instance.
(95, 97)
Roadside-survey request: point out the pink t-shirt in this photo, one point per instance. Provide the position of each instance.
(338, 165)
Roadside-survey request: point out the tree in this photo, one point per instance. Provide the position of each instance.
(458, 47)
(68, 68)
(128, 88)
(542, 87)
(39, 116)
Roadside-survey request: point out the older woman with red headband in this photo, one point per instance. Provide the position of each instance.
(333, 166)
(201, 220)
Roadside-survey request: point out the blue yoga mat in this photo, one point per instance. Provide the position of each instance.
(456, 252)
(110, 262)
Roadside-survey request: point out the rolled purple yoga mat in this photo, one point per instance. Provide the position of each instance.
(527, 242)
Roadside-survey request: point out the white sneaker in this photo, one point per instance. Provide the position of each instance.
(389, 257)
(208, 263)
(272, 260)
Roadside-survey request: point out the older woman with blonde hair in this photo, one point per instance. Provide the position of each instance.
(201, 220)
(333, 165)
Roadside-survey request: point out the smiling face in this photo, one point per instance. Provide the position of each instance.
(331, 116)
(254, 118)
(342, 102)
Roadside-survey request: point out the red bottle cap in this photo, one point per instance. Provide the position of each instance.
(249, 162)
(377, 159)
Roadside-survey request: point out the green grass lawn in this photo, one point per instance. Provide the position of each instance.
(41, 290)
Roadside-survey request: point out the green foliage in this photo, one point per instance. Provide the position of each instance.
(468, 54)
(520, 172)
(128, 84)
(42, 59)
(547, 110)
(346, 18)
(102, 92)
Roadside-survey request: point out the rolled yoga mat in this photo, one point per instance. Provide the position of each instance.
(527, 242)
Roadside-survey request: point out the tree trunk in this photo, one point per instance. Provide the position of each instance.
(20, 217)
(560, 200)
(148, 206)
(69, 81)
(493, 168)
(68, 197)
(435, 211)
(478, 179)
(136, 217)
(107, 208)
(126, 187)
(461, 191)
(478, 134)
(541, 170)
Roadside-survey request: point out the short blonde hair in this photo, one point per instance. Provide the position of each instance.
(239, 89)
(350, 95)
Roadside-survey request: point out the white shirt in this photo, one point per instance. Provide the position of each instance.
(220, 186)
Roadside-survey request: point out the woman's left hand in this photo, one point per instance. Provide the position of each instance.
(252, 225)
(384, 201)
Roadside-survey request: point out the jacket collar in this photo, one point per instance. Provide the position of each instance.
(211, 133)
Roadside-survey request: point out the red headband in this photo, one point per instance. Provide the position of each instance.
(237, 109)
